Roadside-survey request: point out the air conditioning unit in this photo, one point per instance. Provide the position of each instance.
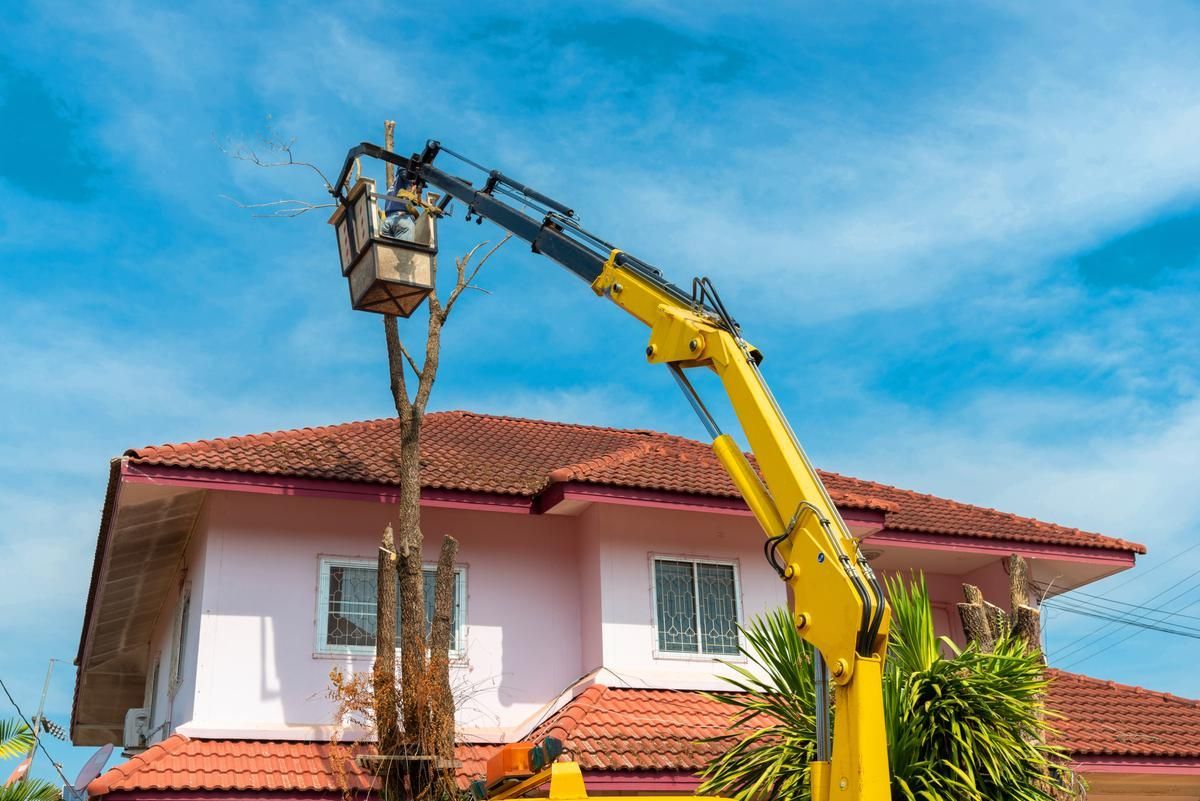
(137, 728)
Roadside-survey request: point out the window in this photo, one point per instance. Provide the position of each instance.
(152, 694)
(696, 606)
(179, 641)
(346, 600)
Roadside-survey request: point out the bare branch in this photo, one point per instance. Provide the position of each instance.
(242, 153)
(464, 281)
(411, 361)
(282, 208)
(396, 366)
(389, 140)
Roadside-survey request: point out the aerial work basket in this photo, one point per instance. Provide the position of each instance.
(388, 259)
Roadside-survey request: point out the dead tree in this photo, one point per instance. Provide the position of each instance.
(985, 623)
(413, 708)
(425, 730)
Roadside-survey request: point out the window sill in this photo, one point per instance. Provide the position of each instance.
(458, 659)
(676, 656)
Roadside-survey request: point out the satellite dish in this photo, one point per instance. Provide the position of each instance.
(91, 769)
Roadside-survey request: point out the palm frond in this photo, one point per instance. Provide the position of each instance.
(30, 790)
(962, 725)
(15, 738)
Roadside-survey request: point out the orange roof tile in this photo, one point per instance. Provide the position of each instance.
(619, 729)
(606, 728)
(516, 457)
(611, 728)
(179, 763)
(1104, 718)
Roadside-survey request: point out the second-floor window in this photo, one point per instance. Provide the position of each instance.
(696, 606)
(179, 641)
(346, 613)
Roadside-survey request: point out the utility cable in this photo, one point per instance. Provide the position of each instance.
(1141, 621)
(38, 740)
(1100, 599)
(1102, 650)
(1083, 642)
(1078, 660)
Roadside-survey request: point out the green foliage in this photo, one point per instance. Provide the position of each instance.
(15, 741)
(30, 790)
(962, 725)
(772, 761)
(15, 738)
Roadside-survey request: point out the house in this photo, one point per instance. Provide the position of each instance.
(601, 575)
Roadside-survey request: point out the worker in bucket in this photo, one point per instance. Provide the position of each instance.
(399, 216)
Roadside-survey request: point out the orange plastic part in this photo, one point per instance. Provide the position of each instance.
(510, 763)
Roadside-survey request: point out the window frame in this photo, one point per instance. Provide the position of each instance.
(699, 654)
(179, 633)
(152, 693)
(322, 648)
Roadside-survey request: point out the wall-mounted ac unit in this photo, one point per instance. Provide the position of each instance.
(137, 728)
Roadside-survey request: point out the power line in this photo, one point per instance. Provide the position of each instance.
(1127, 582)
(1088, 639)
(1081, 659)
(1100, 599)
(1142, 622)
(38, 740)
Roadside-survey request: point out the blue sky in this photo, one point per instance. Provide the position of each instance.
(968, 240)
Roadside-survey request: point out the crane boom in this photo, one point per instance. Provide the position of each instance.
(837, 603)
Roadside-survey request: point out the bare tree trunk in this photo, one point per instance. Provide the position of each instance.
(441, 700)
(976, 626)
(412, 581)
(1018, 583)
(383, 674)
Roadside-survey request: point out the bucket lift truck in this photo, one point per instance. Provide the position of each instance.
(837, 603)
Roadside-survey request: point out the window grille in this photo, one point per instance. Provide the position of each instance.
(696, 606)
(179, 641)
(152, 693)
(346, 617)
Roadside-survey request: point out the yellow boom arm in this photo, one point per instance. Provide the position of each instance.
(835, 597)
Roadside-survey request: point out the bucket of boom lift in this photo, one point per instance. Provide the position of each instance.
(389, 260)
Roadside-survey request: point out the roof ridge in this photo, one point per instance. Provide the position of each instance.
(561, 423)
(1137, 688)
(580, 470)
(136, 764)
(567, 719)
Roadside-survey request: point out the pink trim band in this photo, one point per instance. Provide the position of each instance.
(1163, 766)
(316, 488)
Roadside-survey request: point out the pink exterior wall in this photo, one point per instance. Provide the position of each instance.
(259, 667)
(550, 599)
(627, 538)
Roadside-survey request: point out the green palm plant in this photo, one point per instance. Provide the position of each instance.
(961, 724)
(15, 740)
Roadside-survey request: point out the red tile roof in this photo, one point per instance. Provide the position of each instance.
(618, 729)
(180, 763)
(515, 457)
(1103, 718)
(609, 728)
(606, 728)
